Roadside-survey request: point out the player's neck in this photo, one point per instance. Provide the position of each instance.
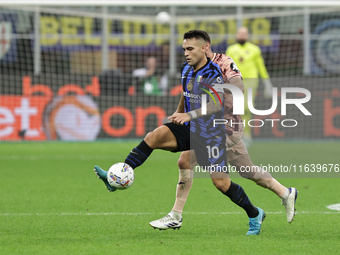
(200, 64)
(211, 54)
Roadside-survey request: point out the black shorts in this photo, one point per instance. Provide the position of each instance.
(182, 134)
(210, 151)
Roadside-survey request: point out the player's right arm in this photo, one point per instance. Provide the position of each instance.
(180, 107)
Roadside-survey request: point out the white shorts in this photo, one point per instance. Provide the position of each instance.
(235, 146)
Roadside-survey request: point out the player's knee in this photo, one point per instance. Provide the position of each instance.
(155, 138)
(263, 182)
(246, 175)
(245, 168)
(183, 163)
(150, 139)
(222, 184)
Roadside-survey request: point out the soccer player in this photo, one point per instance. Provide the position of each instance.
(198, 73)
(247, 57)
(237, 154)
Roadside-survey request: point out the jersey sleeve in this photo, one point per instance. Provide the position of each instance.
(230, 69)
(217, 78)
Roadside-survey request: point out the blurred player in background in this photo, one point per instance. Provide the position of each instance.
(237, 153)
(152, 80)
(248, 58)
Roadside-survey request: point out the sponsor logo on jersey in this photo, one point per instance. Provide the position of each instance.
(234, 67)
(191, 95)
(193, 98)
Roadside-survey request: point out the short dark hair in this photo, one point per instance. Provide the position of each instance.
(197, 34)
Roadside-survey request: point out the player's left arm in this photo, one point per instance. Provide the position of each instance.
(179, 111)
(212, 107)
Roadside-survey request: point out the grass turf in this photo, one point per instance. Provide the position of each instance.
(52, 203)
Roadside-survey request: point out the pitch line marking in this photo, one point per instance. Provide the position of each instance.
(146, 213)
(335, 207)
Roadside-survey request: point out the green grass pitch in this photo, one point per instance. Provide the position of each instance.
(52, 203)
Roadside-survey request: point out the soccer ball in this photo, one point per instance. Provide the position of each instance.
(120, 176)
(163, 18)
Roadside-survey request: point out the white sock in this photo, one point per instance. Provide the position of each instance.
(285, 195)
(175, 215)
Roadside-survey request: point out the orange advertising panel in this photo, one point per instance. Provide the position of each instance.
(59, 108)
(22, 117)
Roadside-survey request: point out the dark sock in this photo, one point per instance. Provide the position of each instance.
(239, 197)
(138, 155)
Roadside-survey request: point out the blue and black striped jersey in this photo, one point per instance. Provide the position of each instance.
(198, 83)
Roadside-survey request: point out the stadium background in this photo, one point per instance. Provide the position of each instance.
(66, 72)
(55, 84)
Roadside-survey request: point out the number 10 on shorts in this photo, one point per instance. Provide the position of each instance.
(213, 152)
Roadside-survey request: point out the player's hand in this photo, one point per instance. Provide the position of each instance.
(268, 89)
(179, 118)
(170, 117)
